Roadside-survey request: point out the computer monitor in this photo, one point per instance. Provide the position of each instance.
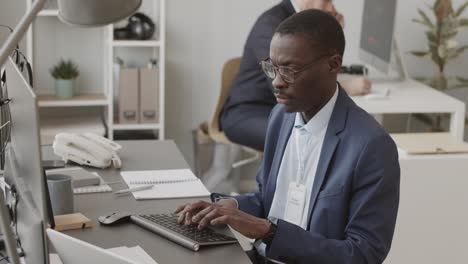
(377, 33)
(23, 171)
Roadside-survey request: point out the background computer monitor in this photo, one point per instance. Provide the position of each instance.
(377, 33)
(23, 169)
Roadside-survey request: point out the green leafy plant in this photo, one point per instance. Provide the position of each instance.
(442, 45)
(65, 70)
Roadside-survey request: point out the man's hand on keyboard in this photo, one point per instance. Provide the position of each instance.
(187, 211)
(223, 212)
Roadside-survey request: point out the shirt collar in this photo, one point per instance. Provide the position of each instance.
(296, 8)
(320, 121)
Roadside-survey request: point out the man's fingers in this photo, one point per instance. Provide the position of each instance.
(222, 220)
(197, 217)
(180, 208)
(189, 210)
(188, 218)
(184, 210)
(207, 219)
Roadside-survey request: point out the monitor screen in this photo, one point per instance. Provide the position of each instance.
(378, 23)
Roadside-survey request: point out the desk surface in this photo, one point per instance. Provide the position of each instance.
(409, 97)
(143, 155)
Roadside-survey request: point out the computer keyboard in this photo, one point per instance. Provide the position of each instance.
(188, 236)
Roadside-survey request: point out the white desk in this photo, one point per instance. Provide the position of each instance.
(414, 97)
(432, 223)
(143, 155)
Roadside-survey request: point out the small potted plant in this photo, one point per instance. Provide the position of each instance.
(64, 73)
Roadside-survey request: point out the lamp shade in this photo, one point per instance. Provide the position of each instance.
(93, 13)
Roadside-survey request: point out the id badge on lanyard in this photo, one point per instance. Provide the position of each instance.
(297, 191)
(295, 203)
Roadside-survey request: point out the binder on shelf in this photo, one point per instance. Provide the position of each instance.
(149, 95)
(129, 96)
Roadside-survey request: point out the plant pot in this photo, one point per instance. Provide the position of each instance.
(439, 81)
(64, 89)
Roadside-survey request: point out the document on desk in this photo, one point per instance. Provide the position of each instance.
(429, 143)
(136, 254)
(167, 184)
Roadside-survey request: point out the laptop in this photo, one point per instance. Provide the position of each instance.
(75, 251)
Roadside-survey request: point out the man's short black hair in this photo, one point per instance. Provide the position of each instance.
(323, 30)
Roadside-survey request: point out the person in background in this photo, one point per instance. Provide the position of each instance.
(245, 114)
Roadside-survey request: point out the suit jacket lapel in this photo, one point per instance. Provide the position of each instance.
(289, 7)
(330, 143)
(285, 132)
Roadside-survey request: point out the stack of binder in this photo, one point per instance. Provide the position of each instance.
(139, 96)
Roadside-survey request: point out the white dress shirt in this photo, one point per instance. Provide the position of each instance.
(300, 160)
(293, 2)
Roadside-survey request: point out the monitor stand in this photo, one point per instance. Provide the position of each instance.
(397, 67)
(398, 63)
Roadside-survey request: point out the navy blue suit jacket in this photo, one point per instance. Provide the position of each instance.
(354, 200)
(251, 86)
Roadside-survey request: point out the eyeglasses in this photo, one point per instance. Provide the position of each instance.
(287, 73)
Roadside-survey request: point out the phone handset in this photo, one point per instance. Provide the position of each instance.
(88, 150)
(108, 144)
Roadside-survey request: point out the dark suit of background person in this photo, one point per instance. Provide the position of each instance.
(245, 115)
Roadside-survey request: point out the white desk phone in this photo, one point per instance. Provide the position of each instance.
(87, 149)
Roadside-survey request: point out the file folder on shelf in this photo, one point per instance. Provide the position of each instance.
(149, 95)
(129, 96)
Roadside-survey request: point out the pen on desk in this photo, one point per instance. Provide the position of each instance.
(135, 189)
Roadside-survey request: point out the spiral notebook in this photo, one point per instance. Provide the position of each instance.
(167, 184)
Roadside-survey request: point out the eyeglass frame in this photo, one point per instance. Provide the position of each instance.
(277, 68)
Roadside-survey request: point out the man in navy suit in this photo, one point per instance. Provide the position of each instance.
(328, 185)
(245, 114)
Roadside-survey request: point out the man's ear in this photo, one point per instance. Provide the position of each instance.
(334, 63)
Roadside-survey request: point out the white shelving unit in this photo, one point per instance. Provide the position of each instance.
(49, 40)
(155, 48)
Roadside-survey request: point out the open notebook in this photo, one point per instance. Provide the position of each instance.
(167, 184)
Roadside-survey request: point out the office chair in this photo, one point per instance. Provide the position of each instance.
(228, 73)
(216, 156)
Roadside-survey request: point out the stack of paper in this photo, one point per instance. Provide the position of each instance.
(136, 254)
(167, 184)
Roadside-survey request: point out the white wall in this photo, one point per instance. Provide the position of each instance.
(11, 12)
(204, 34)
(201, 36)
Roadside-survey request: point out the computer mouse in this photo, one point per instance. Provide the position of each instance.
(115, 218)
